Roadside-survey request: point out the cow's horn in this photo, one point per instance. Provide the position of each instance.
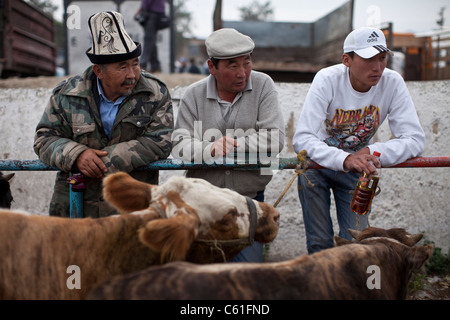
(8, 177)
(354, 233)
(415, 238)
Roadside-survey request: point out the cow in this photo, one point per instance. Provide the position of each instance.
(45, 257)
(5, 191)
(377, 266)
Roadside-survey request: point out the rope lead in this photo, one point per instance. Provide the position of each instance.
(300, 169)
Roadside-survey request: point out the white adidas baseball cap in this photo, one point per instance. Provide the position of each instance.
(366, 42)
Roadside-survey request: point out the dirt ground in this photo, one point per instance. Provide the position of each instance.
(430, 288)
(424, 288)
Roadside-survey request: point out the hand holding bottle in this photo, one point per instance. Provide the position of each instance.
(366, 188)
(362, 161)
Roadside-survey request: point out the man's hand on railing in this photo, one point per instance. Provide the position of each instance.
(223, 146)
(90, 164)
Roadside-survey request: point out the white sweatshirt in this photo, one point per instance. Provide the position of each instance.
(336, 120)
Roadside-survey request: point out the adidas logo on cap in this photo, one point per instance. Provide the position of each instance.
(373, 37)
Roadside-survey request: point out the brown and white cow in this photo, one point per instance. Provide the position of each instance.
(46, 257)
(378, 266)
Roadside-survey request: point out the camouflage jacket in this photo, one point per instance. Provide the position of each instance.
(71, 124)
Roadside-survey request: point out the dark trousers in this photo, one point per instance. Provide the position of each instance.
(150, 50)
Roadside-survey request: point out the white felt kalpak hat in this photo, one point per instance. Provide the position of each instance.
(366, 42)
(110, 41)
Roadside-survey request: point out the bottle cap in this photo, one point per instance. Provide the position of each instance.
(376, 154)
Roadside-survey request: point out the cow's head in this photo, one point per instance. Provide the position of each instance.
(398, 234)
(402, 242)
(5, 190)
(196, 209)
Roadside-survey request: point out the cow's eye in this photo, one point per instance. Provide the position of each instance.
(229, 218)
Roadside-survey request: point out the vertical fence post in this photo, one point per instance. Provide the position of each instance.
(77, 187)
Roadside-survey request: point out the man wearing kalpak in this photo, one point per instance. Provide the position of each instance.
(233, 113)
(110, 118)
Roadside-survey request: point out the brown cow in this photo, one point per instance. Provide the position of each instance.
(379, 266)
(46, 257)
(5, 191)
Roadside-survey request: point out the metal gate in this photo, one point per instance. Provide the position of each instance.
(76, 192)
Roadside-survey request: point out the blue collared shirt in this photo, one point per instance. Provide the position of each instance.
(108, 109)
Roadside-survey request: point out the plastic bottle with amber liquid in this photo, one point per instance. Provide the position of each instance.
(365, 190)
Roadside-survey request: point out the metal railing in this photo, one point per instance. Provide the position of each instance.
(177, 164)
(76, 194)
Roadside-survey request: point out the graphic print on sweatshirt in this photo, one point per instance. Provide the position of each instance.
(352, 129)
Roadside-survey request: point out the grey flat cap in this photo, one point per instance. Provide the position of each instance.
(228, 43)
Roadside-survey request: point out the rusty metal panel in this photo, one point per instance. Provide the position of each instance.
(274, 34)
(27, 40)
(335, 25)
(298, 47)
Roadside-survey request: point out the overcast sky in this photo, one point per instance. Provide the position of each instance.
(414, 16)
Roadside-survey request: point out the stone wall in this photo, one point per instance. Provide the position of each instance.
(411, 198)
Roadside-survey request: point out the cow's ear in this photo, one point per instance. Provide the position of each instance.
(341, 241)
(125, 193)
(171, 237)
(418, 255)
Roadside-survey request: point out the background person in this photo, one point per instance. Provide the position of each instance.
(193, 68)
(151, 10)
(343, 109)
(237, 99)
(110, 118)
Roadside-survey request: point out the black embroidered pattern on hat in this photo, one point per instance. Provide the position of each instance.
(107, 35)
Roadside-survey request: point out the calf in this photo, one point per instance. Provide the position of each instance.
(58, 258)
(376, 267)
(5, 190)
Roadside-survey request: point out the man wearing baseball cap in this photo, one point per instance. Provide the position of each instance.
(113, 117)
(343, 109)
(233, 113)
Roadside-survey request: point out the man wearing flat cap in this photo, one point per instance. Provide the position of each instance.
(113, 117)
(345, 106)
(232, 114)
